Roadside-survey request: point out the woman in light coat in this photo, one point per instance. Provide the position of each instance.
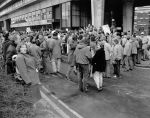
(27, 68)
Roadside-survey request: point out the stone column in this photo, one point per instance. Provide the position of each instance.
(97, 7)
(4, 26)
(128, 12)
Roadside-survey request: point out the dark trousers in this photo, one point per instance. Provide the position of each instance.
(139, 56)
(83, 75)
(134, 58)
(10, 67)
(117, 68)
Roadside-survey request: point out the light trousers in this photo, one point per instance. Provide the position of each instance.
(98, 78)
(56, 63)
(128, 62)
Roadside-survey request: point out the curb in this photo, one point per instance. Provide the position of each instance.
(140, 66)
(54, 105)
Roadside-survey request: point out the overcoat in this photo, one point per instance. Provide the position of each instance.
(26, 65)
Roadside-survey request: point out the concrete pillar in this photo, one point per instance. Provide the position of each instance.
(97, 7)
(128, 12)
(4, 26)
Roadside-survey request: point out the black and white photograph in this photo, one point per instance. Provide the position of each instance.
(74, 58)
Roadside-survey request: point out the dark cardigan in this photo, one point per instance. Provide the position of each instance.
(98, 61)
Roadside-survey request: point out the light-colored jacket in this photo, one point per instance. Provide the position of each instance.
(135, 46)
(35, 51)
(144, 42)
(117, 52)
(82, 54)
(128, 48)
(55, 46)
(26, 65)
(108, 50)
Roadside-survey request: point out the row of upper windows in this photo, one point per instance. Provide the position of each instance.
(41, 14)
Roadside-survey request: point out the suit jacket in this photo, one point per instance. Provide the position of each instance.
(26, 65)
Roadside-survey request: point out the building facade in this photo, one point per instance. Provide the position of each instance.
(71, 14)
(46, 14)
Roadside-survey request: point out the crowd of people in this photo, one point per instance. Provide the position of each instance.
(90, 51)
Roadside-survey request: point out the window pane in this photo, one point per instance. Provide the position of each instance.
(75, 6)
(23, 17)
(67, 13)
(33, 16)
(49, 16)
(75, 12)
(39, 15)
(68, 6)
(64, 7)
(64, 23)
(75, 21)
(68, 21)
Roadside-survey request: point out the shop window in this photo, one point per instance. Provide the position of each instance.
(49, 13)
(33, 16)
(26, 17)
(39, 15)
(43, 14)
(36, 15)
(75, 21)
(57, 13)
(29, 17)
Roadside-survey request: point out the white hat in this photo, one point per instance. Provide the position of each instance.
(142, 32)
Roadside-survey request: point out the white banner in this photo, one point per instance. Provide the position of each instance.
(106, 29)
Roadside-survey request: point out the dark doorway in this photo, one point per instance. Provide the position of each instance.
(113, 13)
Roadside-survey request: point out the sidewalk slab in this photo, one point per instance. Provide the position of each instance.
(44, 110)
(144, 64)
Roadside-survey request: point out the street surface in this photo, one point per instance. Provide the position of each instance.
(127, 97)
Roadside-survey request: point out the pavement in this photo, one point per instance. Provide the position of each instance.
(144, 64)
(127, 97)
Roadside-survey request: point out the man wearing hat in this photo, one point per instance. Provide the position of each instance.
(83, 57)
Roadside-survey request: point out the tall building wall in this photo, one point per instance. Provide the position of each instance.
(51, 14)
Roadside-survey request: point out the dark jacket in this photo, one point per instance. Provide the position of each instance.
(98, 61)
(9, 52)
(71, 57)
(4, 48)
